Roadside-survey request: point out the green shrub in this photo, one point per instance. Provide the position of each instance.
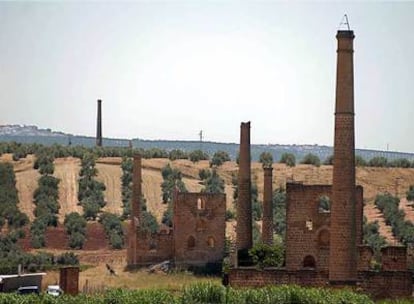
(264, 255)
(266, 159)
(289, 159)
(219, 158)
(311, 159)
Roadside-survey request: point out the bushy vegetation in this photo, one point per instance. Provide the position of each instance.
(410, 193)
(264, 255)
(177, 154)
(212, 182)
(204, 293)
(219, 158)
(172, 180)
(11, 256)
(266, 159)
(373, 238)
(113, 229)
(75, 225)
(378, 161)
(90, 194)
(9, 211)
(279, 212)
(389, 205)
(126, 186)
(311, 159)
(197, 155)
(289, 159)
(257, 208)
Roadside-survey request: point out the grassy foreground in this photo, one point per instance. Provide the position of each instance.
(204, 293)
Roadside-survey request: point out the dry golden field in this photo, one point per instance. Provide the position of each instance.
(374, 180)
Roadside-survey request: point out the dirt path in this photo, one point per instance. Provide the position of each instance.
(67, 170)
(408, 209)
(26, 184)
(110, 174)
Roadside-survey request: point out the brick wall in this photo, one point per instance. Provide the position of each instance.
(308, 227)
(379, 285)
(394, 258)
(199, 228)
(244, 239)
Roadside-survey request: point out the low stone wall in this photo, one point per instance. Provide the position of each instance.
(379, 285)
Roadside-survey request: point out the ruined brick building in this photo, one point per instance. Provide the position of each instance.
(323, 222)
(196, 238)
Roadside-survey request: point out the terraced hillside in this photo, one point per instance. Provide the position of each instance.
(374, 180)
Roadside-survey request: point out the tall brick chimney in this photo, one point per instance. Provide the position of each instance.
(99, 125)
(135, 211)
(343, 251)
(244, 239)
(267, 226)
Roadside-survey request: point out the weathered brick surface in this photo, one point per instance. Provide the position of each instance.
(302, 211)
(99, 124)
(244, 238)
(394, 258)
(343, 253)
(379, 285)
(69, 280)
(364, 258)
(386, 284)
(199, 228)
(267, 226)
(132, 241)
(197, 236)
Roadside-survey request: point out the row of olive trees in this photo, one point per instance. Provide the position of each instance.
(289, 159)
(395, 217)
(45, 198)
(148, 221)
(9, 212)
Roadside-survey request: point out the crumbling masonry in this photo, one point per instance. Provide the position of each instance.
(197, 237)
(324, 222)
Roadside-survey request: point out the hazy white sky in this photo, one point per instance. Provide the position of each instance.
(166, 70)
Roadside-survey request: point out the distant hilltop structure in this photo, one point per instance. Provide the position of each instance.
(33, 134)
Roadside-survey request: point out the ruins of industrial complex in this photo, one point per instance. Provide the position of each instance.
(324, 244)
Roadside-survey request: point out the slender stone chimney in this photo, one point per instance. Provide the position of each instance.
(267, 226)
(244, 239)
(343, 251)
(99, 125)
(135, 212)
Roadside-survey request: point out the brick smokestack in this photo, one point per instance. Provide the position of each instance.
(343, 251)
(244, 202)
(99, 125)
(135, 211)
(267, 226)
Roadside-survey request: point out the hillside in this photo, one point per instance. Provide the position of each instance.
(374, 180)
(34, 134)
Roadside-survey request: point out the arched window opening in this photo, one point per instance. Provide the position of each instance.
(309, 262)
(201, 204)
(211, 242)
(190, 242)
(324, 205)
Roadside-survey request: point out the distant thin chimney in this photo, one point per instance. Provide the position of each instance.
(99, 125)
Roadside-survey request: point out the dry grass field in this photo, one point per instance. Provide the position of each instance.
(374, 180)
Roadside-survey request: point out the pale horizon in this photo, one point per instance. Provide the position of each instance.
(167, 70)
